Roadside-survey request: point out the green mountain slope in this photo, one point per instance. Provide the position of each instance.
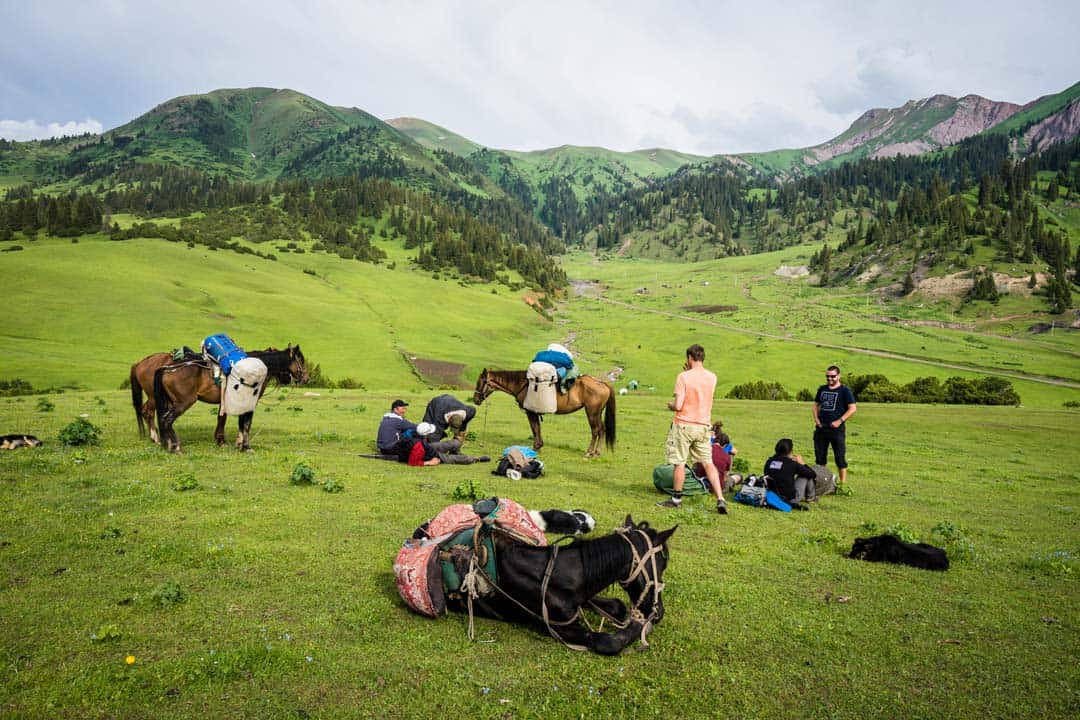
(355, 319)
(433, 136)
(254, 134)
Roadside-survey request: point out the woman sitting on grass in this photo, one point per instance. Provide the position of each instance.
(722, 450)
(788, 476)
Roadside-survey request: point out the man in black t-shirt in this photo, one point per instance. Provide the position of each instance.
(788, 477)
(833, 405)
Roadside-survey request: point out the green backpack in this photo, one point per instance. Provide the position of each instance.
(663, 477)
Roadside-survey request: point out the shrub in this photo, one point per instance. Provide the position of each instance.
(468, 489)
(18, 386)
(185, 482)
(80, 432)
(759, 390)
(302, 474)
(956, 542)
(332, 486)
(168, 594)
(45, 405)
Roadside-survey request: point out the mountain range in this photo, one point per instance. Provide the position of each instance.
(261, 133)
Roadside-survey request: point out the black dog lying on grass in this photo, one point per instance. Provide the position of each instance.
(10, 442)
(889, 548)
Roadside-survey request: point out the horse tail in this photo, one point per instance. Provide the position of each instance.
(161, 398)
(136, 399)
(609, 418)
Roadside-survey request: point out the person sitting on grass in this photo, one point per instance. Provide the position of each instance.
(788, 476)
(722, 450)
(393, 427)
(415, 449)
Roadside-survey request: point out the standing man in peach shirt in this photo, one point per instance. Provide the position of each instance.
(688, 439)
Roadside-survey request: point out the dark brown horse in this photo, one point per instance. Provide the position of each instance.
(142, 381)
(178, 386)
(596, 396)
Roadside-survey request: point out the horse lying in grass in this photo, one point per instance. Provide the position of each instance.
(507, 577)
(596, 396)
(178, 386)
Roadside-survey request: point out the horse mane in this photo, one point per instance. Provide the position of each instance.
(277, 363)
(603, 557)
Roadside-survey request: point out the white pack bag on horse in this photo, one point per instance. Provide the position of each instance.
(243, 386)
(541, 396)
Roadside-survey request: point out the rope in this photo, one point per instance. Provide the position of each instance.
(472, 582)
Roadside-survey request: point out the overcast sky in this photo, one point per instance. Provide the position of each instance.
(702, 77)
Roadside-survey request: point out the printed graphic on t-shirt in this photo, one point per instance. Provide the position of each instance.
(776, 464)
(829, 399)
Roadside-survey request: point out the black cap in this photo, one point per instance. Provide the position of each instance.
(398, 403)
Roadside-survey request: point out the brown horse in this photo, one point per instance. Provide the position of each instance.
(142, 381)
(596, 396)
(178, 386)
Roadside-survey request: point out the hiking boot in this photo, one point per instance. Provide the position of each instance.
(799, 506)
(513, 474)
(483, 458)
(669, 503)
(721, 507)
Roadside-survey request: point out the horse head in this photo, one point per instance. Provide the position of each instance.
(645, 583)
(483, 387)
(297, 365)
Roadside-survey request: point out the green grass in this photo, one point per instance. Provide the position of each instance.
(248, 596)
(239, 594)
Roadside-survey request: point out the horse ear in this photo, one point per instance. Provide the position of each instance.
(629, 522)
(663, 537)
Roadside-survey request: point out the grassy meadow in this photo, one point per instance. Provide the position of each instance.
(138, 584)
(130, 593)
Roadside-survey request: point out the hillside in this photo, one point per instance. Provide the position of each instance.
(388, 326)
(253, 134)
(434, 137)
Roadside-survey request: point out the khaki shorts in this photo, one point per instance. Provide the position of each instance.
(688, 444)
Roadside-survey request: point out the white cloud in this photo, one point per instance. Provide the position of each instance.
(706, 77)
(22, 130)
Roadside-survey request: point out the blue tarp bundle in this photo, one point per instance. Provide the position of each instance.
(223, 351)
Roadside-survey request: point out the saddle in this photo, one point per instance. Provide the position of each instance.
(452, 556)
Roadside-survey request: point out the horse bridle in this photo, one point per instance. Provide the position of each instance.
(483, 392)
(652, 580)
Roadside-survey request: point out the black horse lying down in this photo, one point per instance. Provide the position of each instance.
(554, 584)
(548, 585)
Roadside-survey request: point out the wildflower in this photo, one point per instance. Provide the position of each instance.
(130, 659)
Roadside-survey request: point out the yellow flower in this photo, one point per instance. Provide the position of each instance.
(130, 659)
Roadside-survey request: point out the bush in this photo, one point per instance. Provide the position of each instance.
(302, 474)
(759, 390)
(18, 386)
(167, 594)
(332, 486)
(185, 482)
(80, 432)
(468, 490)
(45, 405)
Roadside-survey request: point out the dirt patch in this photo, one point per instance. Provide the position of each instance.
(957, 284)
(586, 288)
(792, 271)
(869, 274)
(439, 372)
(710, 309)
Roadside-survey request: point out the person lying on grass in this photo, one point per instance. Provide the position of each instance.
(416, 450)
